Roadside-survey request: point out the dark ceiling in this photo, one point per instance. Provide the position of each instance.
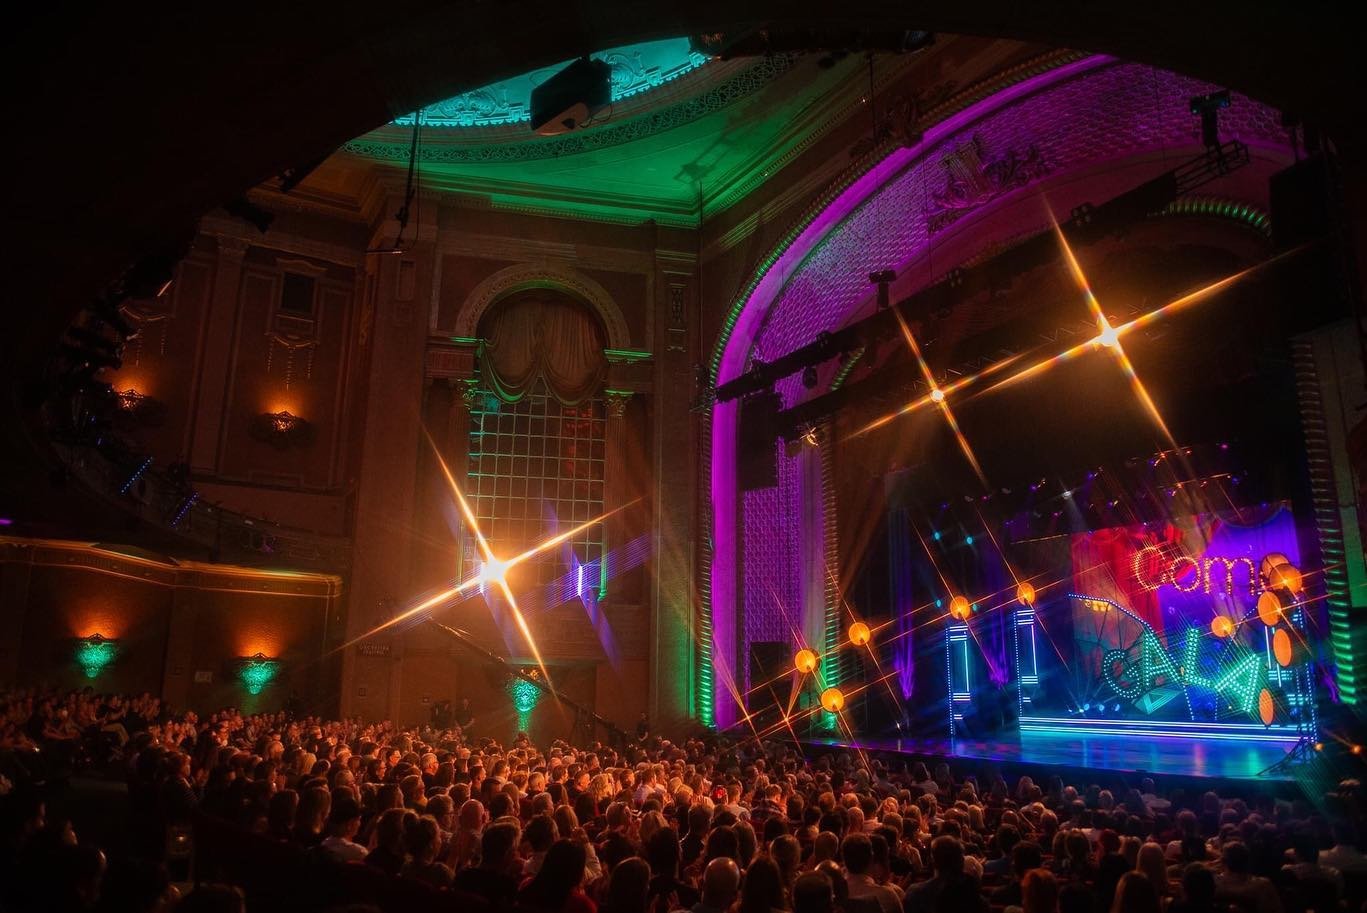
(127, 123)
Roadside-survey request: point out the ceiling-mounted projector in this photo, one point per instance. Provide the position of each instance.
(571, 97)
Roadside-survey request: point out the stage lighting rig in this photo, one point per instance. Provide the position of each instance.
(1208, 108)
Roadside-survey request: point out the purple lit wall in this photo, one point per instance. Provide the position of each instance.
(1078, 118)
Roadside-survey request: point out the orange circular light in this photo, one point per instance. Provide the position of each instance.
(1269, 608)
(1319, 746)
(1267, 711)
(805, 661)
(1282, 647)
(833, 700)
(960, 608)
(1221, 626)
(1356, 749)
(1025, 594)
(1286, 577)
(860, 634)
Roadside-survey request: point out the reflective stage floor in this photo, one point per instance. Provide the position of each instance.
(1197, 758)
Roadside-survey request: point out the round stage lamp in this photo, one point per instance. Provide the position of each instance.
(960, 608)
(1282, 647)
(1271, 560)
(860, 634)
(1286, 577)
(833, 700)
(805, 661)
(1221, 626)
(1025, 594)
(1267, 711)
(1269, 608)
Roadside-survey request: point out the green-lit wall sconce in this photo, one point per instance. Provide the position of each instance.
(257, 672)
(525, 696)
(95, 652)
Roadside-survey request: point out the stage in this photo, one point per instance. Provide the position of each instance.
(1169, 757)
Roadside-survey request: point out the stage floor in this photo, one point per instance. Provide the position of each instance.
(1203, 758)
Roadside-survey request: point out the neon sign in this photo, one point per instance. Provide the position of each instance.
(1153, 567)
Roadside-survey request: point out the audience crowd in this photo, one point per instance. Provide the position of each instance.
(704, 825)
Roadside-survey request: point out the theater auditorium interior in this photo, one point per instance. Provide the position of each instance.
(738, 457)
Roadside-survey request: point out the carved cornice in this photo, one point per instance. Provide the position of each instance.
(232, 233)
(109, 560)
(714, 99)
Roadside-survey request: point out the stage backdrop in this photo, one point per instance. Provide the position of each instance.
(1161, 633)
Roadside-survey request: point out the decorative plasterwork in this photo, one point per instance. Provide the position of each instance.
(647, 124)
(543, 275)
(973, 177)
(634, 70)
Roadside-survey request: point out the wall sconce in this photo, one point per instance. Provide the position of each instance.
(138, 407)
(525, 697)
(130, 400)
(282, 429)
(94, 653)
(256, 672)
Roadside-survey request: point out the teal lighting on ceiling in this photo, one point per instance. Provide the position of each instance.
(94, 653)
(257, 672)
(636, 69)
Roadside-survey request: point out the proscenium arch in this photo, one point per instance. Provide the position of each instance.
(807, 262)
(558, 277)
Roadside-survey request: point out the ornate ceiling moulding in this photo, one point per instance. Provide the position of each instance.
(457, 150)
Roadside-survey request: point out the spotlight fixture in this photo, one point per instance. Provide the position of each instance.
(1208, 108)
(809, 377)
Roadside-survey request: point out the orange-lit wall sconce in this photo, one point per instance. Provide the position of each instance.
(282, 429)
(136, 406)
(256, 672)
(94, 653)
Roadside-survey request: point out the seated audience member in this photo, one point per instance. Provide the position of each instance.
(857, 851)
(556, 887)
(344, 823)
(1344, 855)
(721, 886)
(1025, 856)
(494, 878)
(662, 853)
(812, 893)
(1238, 885)
(1039, 892)
(1198, 890)
(1134, 893)
(388, 855)
(627, 887)
(422, 839)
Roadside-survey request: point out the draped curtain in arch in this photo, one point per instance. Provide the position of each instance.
(542, 334)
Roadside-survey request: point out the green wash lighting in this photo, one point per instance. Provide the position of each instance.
(94, 653)
(258, 672)
(525, 696)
